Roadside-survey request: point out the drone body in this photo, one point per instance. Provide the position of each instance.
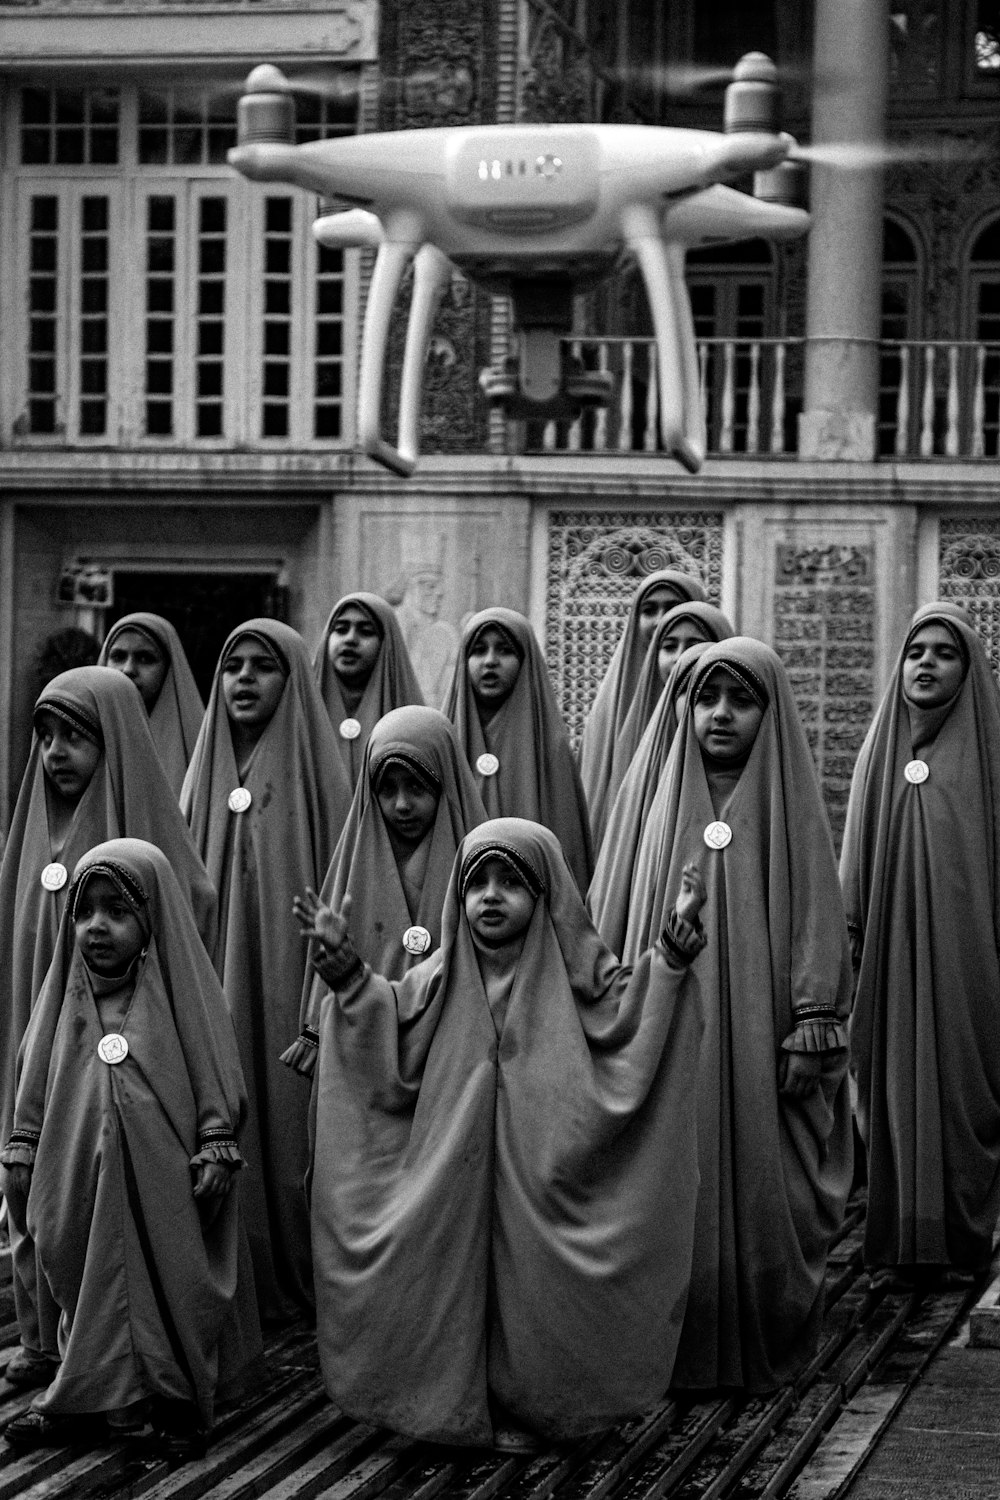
(536, 212)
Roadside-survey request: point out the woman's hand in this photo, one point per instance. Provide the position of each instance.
(316, 920)
(693, 893)
(16, 1184)
(799, 1073)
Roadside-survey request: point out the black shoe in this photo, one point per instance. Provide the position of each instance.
(28, 1369)
(35, 1430)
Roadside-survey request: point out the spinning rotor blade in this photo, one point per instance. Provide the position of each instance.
(858, 155)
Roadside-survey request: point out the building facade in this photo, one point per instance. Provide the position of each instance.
(179, 361)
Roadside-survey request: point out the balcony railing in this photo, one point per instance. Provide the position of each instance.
(937, 399)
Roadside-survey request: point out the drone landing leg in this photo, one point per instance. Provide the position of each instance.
(390, 264)
(641, 234)
(431, 273)
(694, 412)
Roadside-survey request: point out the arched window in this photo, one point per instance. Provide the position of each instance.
(901, 307)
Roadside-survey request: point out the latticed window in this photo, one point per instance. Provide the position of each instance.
(160, 298)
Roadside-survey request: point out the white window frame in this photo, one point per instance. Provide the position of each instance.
(128, 187)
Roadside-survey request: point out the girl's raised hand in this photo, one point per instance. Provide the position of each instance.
(693, 894)
(318, 921)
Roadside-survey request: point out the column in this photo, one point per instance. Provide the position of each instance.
(845, 247)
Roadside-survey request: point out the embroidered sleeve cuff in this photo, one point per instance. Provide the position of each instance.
(682, 941)
(218, 1146)
(19, 1152)
(817, 1030)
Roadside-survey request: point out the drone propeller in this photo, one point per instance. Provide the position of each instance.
(334, 83)
(680, 80)
(858, 155)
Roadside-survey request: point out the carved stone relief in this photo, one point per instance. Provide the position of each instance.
(824, 632)
(437, 569)
(969, 574)
(596, 560)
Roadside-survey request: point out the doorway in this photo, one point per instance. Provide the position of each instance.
(202, 607)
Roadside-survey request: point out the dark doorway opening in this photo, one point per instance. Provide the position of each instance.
(202, 607)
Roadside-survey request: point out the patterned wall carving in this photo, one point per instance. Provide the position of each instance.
(596, 561)
(824, 632)
(438, 64)
(969, 573)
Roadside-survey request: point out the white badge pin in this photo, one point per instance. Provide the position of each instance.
(112, 1048)
(349, 729)
(487, 764)
(916, 771)
(416, 939)
(718, 835)
(54, 876)
(240, 799)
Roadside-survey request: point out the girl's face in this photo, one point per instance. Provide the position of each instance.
(142, 662)
(408, 806)
(726, 717)
(493, 665)
(652, 609)
(680, 636)
(353, 646)
(69, 758)
(498, 905)
(252, 684)
(108, 933)
(932, 667)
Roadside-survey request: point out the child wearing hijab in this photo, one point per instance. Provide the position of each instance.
(122, 1157)
(266, 796)
(497, 1238)
(148, 650)
(921, 876)
(655, 596)
(93, 774)
(364, 670)
(413, 806)
(681, 627)
(774, 1122)
(505, 715)
(610, 893)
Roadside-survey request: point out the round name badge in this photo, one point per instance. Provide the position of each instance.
(416, 940)
(349, 729)
(718, 835)
(487, 764)
(112, 1048)
(54, 876)
(240, 799)
(916, 771)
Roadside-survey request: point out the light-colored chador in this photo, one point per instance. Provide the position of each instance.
(525, 767)
(126, 1084)
(261, 846)
(774, 977)
(611, 705)
(128, 794)
(506, 1171)
(178, 711)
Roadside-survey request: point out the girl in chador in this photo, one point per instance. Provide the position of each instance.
(122, 1160)
(93, 774)
(506, 1159)
(266, 796)
(508, 723)
(920, 873)
(774, 1119)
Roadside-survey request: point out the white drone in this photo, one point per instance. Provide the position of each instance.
(539, 213)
